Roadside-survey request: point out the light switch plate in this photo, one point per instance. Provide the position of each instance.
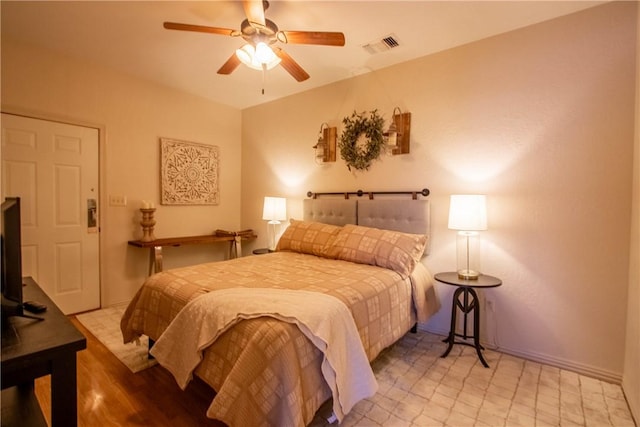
(115, 200)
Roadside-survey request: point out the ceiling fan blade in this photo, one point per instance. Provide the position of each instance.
(254, 9)
(325, 38)
(230, 66)
(292, 67)
(199, 28)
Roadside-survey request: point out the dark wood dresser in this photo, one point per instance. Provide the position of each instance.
(35, 348)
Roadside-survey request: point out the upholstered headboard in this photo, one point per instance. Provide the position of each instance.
(399, 214)
(330, 211)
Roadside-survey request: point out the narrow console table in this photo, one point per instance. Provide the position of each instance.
(155, 246)
(35, 348)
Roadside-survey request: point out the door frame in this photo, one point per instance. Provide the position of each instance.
(17, 111)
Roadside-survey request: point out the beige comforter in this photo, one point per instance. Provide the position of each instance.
(264, 371)
(323, 319)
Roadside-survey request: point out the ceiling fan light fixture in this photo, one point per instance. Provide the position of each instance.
(248, 55)
(260, 34)
(245, 54)
(264, 54)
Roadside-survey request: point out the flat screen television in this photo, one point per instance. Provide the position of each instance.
(11, 258)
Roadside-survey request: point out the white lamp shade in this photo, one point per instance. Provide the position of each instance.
(264, 54)
(275, 209)
(468, 212)
(250, 56)
(245, 54)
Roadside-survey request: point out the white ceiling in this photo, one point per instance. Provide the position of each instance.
(129, 36)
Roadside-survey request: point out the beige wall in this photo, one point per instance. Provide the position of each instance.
(631, 377)
(132, 115)
(541, 120)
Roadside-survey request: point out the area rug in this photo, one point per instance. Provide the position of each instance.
(104, 324)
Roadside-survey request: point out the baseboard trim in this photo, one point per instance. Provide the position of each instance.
(580, 368)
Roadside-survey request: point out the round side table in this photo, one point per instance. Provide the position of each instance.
(469, 303)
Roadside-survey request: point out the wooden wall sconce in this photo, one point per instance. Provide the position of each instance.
(399, 133)
(326, 146)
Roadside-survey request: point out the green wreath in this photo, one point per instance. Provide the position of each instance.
(354, 126)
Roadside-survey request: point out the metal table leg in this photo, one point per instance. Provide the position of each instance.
(469, 303)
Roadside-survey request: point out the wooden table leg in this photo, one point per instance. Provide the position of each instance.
(64, 399)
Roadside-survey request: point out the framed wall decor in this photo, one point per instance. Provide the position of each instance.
(188, 173)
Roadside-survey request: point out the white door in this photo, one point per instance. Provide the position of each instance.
(53, 168)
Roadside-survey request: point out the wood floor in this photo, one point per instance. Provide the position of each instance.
(109, 394)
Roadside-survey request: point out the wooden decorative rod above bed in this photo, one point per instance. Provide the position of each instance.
(360, 193)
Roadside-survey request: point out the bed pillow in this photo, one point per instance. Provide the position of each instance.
(385, 248)
(308, 237)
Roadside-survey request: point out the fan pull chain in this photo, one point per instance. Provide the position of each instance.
(264, 75)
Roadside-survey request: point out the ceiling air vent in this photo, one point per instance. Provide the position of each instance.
(384, 44)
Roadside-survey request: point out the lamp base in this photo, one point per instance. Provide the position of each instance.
(468, 256)
(271, 234)
(468, 274)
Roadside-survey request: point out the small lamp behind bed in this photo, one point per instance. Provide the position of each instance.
(274, 210)
(468, 215)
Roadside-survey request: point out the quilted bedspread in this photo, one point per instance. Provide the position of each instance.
(265, 371)
(323, 319)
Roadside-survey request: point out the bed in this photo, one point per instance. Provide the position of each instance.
(269, 369)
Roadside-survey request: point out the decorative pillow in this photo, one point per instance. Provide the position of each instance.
(308, 237)
(385, 248)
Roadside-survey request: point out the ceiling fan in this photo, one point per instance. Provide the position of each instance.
(261, 34)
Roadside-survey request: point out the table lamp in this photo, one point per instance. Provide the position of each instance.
(274, 210)
(468, 215)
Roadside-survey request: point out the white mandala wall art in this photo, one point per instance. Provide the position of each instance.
(189, 173)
